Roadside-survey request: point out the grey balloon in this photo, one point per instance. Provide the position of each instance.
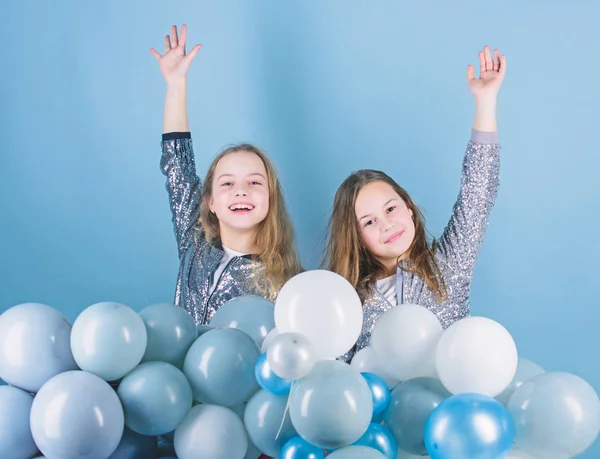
(411, 403)
(15, 431)
(356, 452)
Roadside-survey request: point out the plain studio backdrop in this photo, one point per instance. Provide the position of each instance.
(325, 87)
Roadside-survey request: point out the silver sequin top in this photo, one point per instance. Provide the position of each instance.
(198, 259)
(457, 248)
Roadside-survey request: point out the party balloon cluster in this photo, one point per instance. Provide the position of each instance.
(264, 379)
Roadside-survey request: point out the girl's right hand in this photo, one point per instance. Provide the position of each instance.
(175, 63)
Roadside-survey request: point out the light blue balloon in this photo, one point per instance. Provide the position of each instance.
(15, 431)
(381, 439)
(411, 403)
(379, 390)
(356, 452)
(211, 432)
(171, 331)
(526, 370)
(156, 397)
(135, 446)
(252, 452)
(202, 329)
(332, 406)
(262, 418)
(469, 426)
(268, 380)
(34, 345)
(251, 314)
(77, 415)
(299, 448)
(220, 367)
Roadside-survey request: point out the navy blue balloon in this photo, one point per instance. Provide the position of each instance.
(379, 390)
(299, 448)
(469, 426)
(381, 439)
(268, 380)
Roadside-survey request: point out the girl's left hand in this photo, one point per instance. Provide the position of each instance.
(491, 74)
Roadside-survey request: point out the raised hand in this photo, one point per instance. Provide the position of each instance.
(491, 74)
(175, 63)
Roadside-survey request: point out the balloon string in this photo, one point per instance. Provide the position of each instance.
(287, 406)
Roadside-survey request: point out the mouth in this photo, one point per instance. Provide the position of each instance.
(394, 237)
(241, 208)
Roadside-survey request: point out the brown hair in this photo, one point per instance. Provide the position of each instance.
(274, 235)
(346, 254)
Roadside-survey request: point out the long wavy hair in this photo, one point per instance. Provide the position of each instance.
(274, 235)
(346, 254)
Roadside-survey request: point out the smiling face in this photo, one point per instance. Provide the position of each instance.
(385, 223)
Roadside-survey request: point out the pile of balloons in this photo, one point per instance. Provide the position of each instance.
(265, 380)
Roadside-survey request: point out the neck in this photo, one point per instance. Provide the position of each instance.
(239, 240)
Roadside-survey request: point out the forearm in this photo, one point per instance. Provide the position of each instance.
(485, 115)
(175, 115)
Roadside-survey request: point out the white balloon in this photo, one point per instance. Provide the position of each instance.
(268, 340)
(516, 454)
(476, 354)
(291, 356)
(404, 341)
(365, 361)
(526, 369)
(324, 307)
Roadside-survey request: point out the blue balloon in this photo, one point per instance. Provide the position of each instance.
(156, 397)
(299, 448)
(332, 406)
(171, 331)
(381, 439)
(251, 314)
(15, 430)
(220, 367)
(268, 380)
(469, 426)
(135, 446)
(35, 344)
(165, 449)
(379, 390)
(202, 329)
(262, 418)
(356, 452)
(77, 415)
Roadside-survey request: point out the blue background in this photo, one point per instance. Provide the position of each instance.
(325, 87)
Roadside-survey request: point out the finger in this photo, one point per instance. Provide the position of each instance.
(496, 60)
(192, 54)
(470, 73)
(183, 37)
(155, 53)
(481, 63)
(167, 43)
(489, 66)
(502, 70)
(174, 38)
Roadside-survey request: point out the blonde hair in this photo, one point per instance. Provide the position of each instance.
(274, 235)
(346, 254)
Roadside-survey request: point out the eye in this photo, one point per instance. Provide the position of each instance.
(255, 182)
(390, 209)
(368, 222)
(226, 183)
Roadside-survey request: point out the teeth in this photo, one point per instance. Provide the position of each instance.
(241, 207)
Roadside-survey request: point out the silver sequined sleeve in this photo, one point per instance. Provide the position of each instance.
(183, 186)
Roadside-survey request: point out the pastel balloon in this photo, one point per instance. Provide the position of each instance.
(356, 452)
(135, 446)
(15, 430)
(526, 370)
(366, 361)
(291, 356)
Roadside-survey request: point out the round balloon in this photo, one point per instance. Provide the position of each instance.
(405, 340)
(476, 355)
(324, 307)
(556, 414)
(379, 391)
(34, 345)
(267, 341)
(526, 370)
(381, 439)
(77, 415)
(332, 406)
(220, 367)
(269, 380)
(171, 331)
(366, 361)
(516, 454)
(291, 356)
(109, 340)
(251, 314)
(356, 452)
(15, 430)
(211, 432)
(135, 446)
(299, 448)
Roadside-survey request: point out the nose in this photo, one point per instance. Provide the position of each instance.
(386, 225)
(240, 191)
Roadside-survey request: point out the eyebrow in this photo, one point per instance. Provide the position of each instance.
(367, 215)
(249, 175)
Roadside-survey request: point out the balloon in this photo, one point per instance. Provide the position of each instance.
(381, 439)
(135, 446)
(171, 331)
(366, 361)
(220, 367)
(299, 448)
(469, 426)
(109, 340)
(15, 431)
(251, 314)
(476, 355)
(379, 391)
(556, 414)
(291, 356)
(202, 329)
(211, 432)
(156, 397)
(405, 455)
(526, 370)
(332, 406)
(411, 404)
(165, 450)
(34, 345)
(252, 452)
(267, 341)
(356, 452)
(77, 415)
(262, 418)
(405, 339)
(516, 454)
(324, 307)
(268, 380)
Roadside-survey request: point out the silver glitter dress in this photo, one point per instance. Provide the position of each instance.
(457, 249)
(198, 259)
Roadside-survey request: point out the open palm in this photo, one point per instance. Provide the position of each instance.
(491, 74)
(175, 63)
